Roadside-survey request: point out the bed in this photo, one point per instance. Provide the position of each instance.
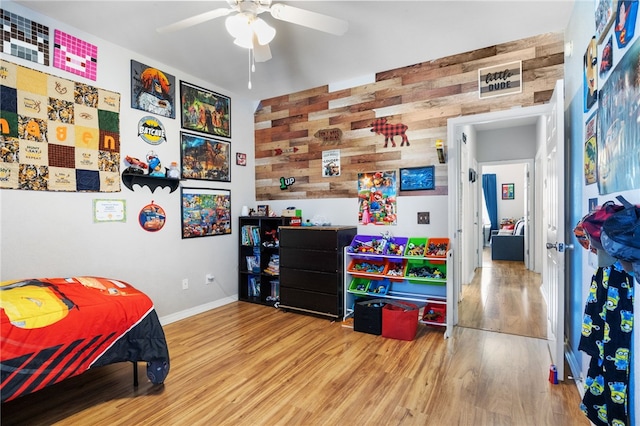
(56, 328)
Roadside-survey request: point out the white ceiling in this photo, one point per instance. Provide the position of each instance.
(382, 35)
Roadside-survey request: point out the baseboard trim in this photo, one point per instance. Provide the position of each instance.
(578, 378)
(177, 316)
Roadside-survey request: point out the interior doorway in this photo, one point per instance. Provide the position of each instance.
(480, 134)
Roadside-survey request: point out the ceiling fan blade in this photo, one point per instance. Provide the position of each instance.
(195, 20)
(309, 19)
(261, 53)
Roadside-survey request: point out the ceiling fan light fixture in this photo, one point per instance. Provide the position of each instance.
(263, 31)
(243, 42)
(239, 26)
(243, 27)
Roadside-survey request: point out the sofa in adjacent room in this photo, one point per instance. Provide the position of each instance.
(508, 244)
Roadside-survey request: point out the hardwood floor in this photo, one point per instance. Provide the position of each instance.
(244, 364)
(505, 297)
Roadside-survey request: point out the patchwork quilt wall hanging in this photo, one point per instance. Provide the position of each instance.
(57, 134)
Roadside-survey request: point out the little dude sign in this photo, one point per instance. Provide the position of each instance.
(500, 80)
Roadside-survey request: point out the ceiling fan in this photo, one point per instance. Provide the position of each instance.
(254, 33)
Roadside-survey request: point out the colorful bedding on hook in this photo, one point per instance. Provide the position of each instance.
(56, 328)
(57, 134)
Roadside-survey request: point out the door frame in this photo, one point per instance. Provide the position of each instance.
(455, 128)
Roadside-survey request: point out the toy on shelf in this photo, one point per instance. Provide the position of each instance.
(367, 267)
(155, 167)
(271, 238)
(368, 244)
(395, 270)
(425, 272)
(437, 247)
(395, 248)
(135, 166)
(415, 249)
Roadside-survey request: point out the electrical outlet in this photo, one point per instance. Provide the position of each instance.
(209, 279)
(423, 218)
(185, 283)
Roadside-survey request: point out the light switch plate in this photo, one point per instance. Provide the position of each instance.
(423, 218)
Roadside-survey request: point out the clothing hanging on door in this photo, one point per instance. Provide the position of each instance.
(606, 337)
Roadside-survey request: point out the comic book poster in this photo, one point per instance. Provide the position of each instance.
(152, 90)
(590, 151)
(377, 195)
(331, 163)
(618, 133)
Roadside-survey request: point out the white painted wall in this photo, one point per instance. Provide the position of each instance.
(344, 211)
(50, 234)
(512, 143)
(509, 173)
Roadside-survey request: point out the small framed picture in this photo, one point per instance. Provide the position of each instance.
(417, 178)
(241, 159)
(508, 192)
(262, 210)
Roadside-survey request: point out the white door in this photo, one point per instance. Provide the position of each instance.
(553, 201)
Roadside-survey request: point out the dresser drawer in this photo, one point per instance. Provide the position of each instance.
(309, 238)
(321, 282)
(322, 261)
(302, 299)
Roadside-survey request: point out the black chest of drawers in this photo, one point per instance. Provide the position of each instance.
(311, 268)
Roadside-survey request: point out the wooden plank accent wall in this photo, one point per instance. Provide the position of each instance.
(422, 96)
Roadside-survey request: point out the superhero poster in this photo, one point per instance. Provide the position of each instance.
(377, 197)
(152, 90)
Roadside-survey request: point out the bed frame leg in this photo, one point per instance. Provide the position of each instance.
(135, 374)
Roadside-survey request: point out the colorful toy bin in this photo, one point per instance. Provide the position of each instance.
(416, 247)
(437, 248)
(359, 285)
(423, 270)
(368, 244)
(378, 287)
(434, 313)
(367, 266)
(396, 246)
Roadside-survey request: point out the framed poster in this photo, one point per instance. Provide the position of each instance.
(204, 158)
(377, 197)
(508, 191)
(152, 90)
(205, 111)
(205, 212)
(417, 178)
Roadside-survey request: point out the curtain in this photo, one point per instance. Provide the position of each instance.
(490, 190)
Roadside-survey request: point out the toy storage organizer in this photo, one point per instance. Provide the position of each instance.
(413, 269)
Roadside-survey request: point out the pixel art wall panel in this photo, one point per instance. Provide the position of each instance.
(24, 38)
(75, 55)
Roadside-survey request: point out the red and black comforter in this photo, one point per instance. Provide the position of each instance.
(56, 328)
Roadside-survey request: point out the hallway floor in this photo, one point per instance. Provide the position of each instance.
(504, 297)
